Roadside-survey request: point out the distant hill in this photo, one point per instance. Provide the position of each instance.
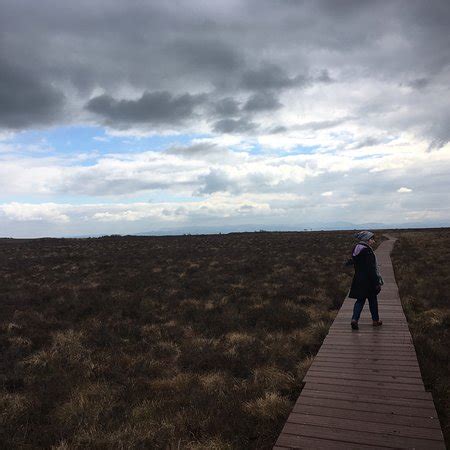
(305, 227)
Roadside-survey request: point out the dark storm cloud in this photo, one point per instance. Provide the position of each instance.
(324, 77)
(270, 76)
(369, 141)
(152, 108)
(263, 101)
(439, 131)
(215, 181)
(25, 100)
(230, 50)
(226, 107)
(93, 184)
(322, 124)
(234, 126)
(203, 54)
(277, 130)
(419, 83)
(200, 149)
(99, 181)
(438, 142)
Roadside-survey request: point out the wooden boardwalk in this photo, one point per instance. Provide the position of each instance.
(364, 388)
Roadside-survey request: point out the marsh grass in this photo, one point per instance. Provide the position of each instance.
(421, 263)
(162, 342)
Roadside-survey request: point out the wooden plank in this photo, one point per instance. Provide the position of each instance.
(384, 309)
(366, 327)
(363, 383)
(367, 340)
(372, 349)
(360, 341)
(366, 416)
(369, 349)
(363, 426)
(369, 345)
(369, 333)
(365, 373)
(401, 326)
(382, 392)
(304, 442)
(346, 375)
(368, 370)
(391, 324)
(366, 352)
(365, 331)
(373, 354)
(366, 315)
(361, 438)
(366, 359)
(388, 311)
(354, 337)
(367, 362)
(365, 397)
(367, 356)
(424, 416)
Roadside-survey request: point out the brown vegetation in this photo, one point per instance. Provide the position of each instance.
(155, 342)
(422, 269)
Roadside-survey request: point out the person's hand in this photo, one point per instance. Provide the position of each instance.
(378, 288)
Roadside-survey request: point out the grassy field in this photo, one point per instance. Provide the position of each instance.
(156, 342)
(421, 262)
(189, 341)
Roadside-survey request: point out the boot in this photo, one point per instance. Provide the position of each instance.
(354, 324)
(377, 323)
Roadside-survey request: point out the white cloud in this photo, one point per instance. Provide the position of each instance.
(23, 212)
(403, 190)
(204, 168)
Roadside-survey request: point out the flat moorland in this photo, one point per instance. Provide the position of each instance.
(421, 262)
(162, 342)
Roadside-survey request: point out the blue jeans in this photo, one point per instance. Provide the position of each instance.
(373, 306)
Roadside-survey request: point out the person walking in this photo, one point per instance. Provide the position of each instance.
(366, 283)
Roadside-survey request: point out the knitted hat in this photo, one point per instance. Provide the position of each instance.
(364, 235)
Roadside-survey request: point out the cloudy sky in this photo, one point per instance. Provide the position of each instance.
(125, 117)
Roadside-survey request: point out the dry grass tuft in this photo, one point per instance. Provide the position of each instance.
(212, 443)
(270, 406)
(67, 352)
(271, 378)
(13, 407)
(88, 407)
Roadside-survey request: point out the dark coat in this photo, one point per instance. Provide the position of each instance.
(365, 281)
